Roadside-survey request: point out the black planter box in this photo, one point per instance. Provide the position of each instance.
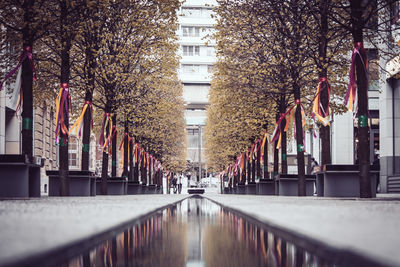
(288, 185)
(143, 189)
(266, 187)
(133, 188)
(241, 189)
(196, 190)
(20, 176)
(81, 183)
(152, 189)
(115, 186)
(159, 189)
(251, 188)
(227, 190)
(234, 190)
(344, 181)
(320, 184)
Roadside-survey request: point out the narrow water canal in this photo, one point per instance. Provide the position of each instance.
(196, 232)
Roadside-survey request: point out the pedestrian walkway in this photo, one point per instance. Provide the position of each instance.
(368, 227)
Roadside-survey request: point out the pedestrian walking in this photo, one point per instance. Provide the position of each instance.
(314, 166)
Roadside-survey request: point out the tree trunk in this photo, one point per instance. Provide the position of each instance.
(126, 150)
(300, 144)
(26, 83)
(276, 154)
(104, 166)
(144, 170)
(253, 169)
(248, 167)
(324, 95)
(243, 178)
(64, 79)
(90, 67)
(136, 168)
(266, 160)
(362, 94)
(87, 118)
(114, 147)
(282, 109)
(258, 163)
(104, 173)
(131, 168)
(150, 171)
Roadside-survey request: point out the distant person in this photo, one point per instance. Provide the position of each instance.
(174, 184)
(180, 184)
(314, 166)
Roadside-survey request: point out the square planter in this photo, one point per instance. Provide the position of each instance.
(320, 184)
(159, 189)
(19, 176)
(115, 186)
(134, 188)
(288, 185)
(196, 191)
(81, 183)
(241, 189)
(234, 190)
(143, 189)
(93, 188)
(251, 188)
(266, 187)
(152, 189)
(344, 181)
(227, 190)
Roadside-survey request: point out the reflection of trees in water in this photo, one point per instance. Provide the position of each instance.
(168, 249)
(221, 248)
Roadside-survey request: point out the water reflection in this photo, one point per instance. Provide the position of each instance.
(196, 232)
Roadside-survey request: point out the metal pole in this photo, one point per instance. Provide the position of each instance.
(199, 153)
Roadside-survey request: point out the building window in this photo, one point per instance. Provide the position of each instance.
(210, 68)
(197, 12)
(193, 138)
(191, 50)
(210, 51)
(73, 152)
(191, 31)
(190, 68)
(191, 11)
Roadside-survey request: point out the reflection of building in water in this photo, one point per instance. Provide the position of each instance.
(194, 234)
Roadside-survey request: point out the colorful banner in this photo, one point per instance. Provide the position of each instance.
(351, 94)
(27, 53)
(62, 111)
(319, 112)
(78, 125)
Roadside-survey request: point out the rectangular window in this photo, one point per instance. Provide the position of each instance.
(210, 51)
(190, 50)
(191, 11)
(210, 69)
(185, 31)
(190, 31)
(190, 68)
(73, 152)
(72, 159)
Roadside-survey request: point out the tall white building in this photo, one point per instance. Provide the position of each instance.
(197, 51)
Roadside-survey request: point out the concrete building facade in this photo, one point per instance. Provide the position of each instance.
(197, 51)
